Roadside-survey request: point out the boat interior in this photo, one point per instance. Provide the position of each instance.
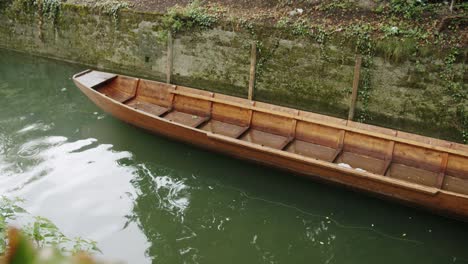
(389, 153)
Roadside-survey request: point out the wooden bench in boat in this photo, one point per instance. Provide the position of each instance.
(393, 157)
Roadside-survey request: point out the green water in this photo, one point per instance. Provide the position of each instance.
(146, 199)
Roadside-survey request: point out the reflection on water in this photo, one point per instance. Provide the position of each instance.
(149, 200)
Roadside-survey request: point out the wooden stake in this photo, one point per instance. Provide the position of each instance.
(357, 70)
(253, 64)
(170, 57)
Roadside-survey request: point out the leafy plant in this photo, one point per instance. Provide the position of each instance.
(22, 251)
(49, 9)
(282, 22)
(334, 5)
(45, 8)
(301, 28)
(453, 88)
(184, 18)
(112, 8)
(41, 230)
(9, 210)
(462, 119)
(410, 9)
(21, 5)
(264, 56)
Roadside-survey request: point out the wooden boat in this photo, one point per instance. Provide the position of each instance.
(417, 170)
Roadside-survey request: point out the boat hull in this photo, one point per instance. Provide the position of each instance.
(438, 201)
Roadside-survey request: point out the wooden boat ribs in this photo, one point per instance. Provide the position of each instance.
(369, 157)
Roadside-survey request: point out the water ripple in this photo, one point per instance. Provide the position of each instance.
(36, 127)
(173, 195)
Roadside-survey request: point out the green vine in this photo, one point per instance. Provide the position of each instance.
(448, 75)
(112, 8)
(302, 28)
(410, 9)
(49, 9)
(462, 116)
(264, 56)
(194, 15)
(249, 26)
(454, 88)
(321, 36)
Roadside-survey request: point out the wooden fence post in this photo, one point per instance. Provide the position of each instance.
(357, 70)
(253, 64)
(170, 57)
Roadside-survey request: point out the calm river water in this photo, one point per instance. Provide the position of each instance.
(146, 199)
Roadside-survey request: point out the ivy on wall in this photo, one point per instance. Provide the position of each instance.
(452, 79)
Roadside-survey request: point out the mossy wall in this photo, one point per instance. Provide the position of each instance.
(297, 74)
(294, 71)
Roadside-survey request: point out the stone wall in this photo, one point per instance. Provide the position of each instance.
(293, 71)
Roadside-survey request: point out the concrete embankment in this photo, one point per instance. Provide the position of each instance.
(313, 72)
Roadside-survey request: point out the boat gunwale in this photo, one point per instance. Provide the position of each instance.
(284, 154)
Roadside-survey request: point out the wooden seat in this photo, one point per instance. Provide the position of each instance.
(265, 139)
(456, 184)
(223, 128)
(119, 88)
(186, 119)
(311, 150)
(116, 94)
(363, 162)
(412, 174)
(149, 108)
(95, 78)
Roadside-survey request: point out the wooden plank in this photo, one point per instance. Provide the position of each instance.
(339, 149)
(357, 69)
(211, 105)
(149, 108)
(164, 112)
(81, 73)
(286, 143)
(388, 157)
(172, 97)
(292, 133)
(94, 78)
(207, 118)
(251, 114)
(253, 63)
(202, 122)
(242, 132)
(443, 168)
(137, 85)
(170, 57)
(329, 124)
